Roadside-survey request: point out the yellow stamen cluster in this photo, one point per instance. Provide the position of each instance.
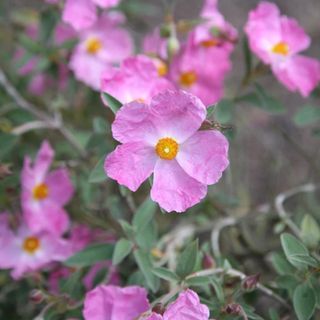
(209, 43)
(93, 45)
(167, 148)
(162, 69)
(40, 192)
(31, 244)
(281, 48)
(187, 79)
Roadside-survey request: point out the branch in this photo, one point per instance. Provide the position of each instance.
(51, 122)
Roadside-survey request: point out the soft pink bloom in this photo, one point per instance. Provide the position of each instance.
(186, 307)
(45, 193)
(277, 41)
(115, 303)
(201, 71)
(62, 33)
(163, 138)
(106, 3)
(215, 30)
(137, 80)
(101, 46)
(80, 14)
(155, 45)
(39, 83)
(25, 251)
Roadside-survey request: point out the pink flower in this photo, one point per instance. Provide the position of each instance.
(137, 80)
(277, 41)
(205, 80)
(155, 45)
(163, 138)
(215, 31)
(82, 14)
(186, 307)
(45, 193)
(26, 251)
(105, 44)
(115, 303)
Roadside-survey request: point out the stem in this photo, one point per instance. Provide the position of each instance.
(51, 122)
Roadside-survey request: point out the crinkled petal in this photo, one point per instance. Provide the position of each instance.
(60, 186)
(81, 14)
(204, 156)
(177, 114)
(174, 189)
(133, 123)
(131, 164)
(187, 307)
(300, 73)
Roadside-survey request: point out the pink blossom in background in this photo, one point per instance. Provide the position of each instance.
(26, 251)
(163, 138)
(45, 193)
(137, 79)
(62, 33)
(107, 302)
(106, 3)
(277, 40)
(154, 45)
(201, 71)
(100, 47)
(186, 307)
(215, 31)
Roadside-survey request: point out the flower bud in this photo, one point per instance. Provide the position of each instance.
(233, 308)
(173, 46)
(250, 282)
(208, 262)
(165, 31)
(159, 308)
(36, 296)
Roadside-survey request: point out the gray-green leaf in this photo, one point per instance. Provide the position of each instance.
(304, 301)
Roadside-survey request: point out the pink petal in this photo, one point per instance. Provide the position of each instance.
(177, 114)
(174, 189)
(133, 122)
(115, 303)
(154, 316)
(300, 73)
(131, 164)
(60, 186)
(204, 156)
(187, 307)
(81, 14)
(106, 3)
(294, 35)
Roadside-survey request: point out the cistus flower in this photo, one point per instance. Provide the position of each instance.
(26, 251)
(138, 79)
(163, 138)
(45, 193)
(277, 41)
(186, 307)
(154, 45)
(100, 47)
(107, 302)
(82, 14)
(214, 31)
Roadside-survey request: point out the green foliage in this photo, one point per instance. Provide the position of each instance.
(187, 259)
(304, 301)
(122, 248)
(307, 115)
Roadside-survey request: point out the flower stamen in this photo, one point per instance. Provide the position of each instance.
(281, 48)
(93, 45)
(40, 192)
(187, 79)
(31, 244)
(167, 148)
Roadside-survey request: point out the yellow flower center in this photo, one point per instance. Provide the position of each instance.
(281, 48)
(162, 69)
(209, 43)
(93, 45)
(187, 79)
(40, 192)
(31, 244)
(167, 148)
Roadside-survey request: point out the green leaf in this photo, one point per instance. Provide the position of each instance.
(110, 101)
(199, 281)
(247, 56)
(310, 231)
(73, 285)
(165, 274)
(144, 215)
(7, 143)
(48, 21)
(98, 175)
(287, 282)
(307, 115)
(144, 263)
(128, 229)
(100, 125)
(304, 301)
(224, 110)
(91, 255)
(187, 260)
(218, 289)
(122, 249)
(281, 264)
(294, 250)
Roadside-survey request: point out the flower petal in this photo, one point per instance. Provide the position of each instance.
(204, 156)
(60, 186)
(174, 189)
(131, 164)
(177, 114)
